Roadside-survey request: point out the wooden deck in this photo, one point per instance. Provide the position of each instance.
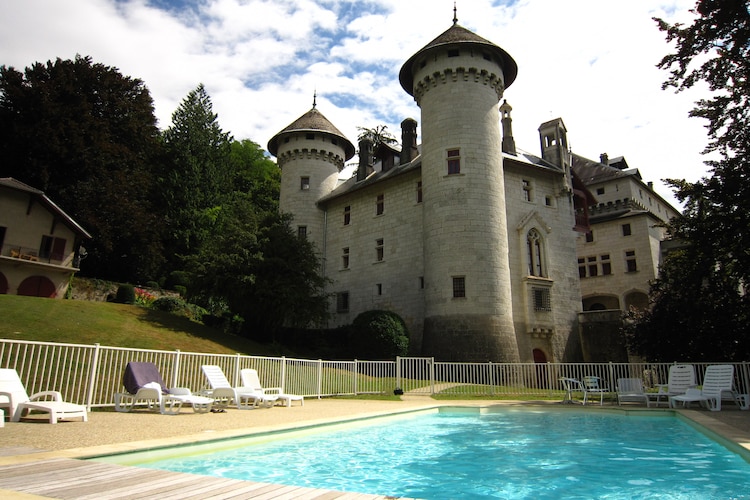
(66, 478)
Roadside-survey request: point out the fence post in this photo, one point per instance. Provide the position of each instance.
(320, 377)
(432, 376)
(492, 378)
(236, 382)
(550, 379)
(176, 370)
(356, 376)
(92, 377)
(398, 372)
(283, 373)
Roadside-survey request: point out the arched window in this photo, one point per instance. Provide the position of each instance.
(535, 253)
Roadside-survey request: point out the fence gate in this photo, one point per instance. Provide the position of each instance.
(416, 375)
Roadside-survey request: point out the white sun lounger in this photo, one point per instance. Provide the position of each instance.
(718, 379)
(250, 379)
(244, 397)
(13, 396)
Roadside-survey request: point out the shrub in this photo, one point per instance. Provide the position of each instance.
(379, 335)
(125, 294)
(168, 304)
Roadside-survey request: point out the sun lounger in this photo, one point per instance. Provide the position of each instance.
(243, 397)
(717, 380)
(250, 379)
(144, 385)
(13, 396)
(631, 390)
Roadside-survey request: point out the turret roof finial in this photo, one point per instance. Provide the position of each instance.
(455, 17)
(315, 98)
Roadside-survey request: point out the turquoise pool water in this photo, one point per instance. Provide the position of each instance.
(501, 454)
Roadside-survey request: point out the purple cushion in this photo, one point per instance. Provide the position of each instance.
(139, 374)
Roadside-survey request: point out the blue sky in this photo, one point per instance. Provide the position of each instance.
(590, 62)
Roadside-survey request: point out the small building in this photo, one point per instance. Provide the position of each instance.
(39, 242)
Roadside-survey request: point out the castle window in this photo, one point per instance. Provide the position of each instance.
(535, 253)
(380, 205)
(589, 236)
(527, 194)
(309, 137)
(593, 269)
(581, 268)
(342, 302)
(606, 265)
(304, 183)
(626, 230)
(421, 282)
(548, 201)
(379, 289)
(541, 299)
(459, 287)
(302, 231)
(630, 263)
(419, 192)
(454, 161)
(379, 250)
(600, 190)
(453, 53)
(347, 215)
(345, 258)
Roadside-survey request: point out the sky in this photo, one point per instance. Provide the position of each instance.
(590, 62)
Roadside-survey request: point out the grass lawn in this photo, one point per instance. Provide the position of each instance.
(120, 325)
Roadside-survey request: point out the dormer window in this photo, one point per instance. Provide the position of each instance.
(309, 137)
(453, 53)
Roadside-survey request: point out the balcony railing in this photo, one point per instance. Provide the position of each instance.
(92, 374)
(31, 254)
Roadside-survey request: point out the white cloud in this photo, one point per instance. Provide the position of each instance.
(590, 62)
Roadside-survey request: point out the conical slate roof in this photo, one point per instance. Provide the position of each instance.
(312, 121)
(458, 35)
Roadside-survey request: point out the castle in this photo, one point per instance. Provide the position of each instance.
(471, 242)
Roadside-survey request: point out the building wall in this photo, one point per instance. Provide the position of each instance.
(20, 258)
(550, 213)
(401, 270)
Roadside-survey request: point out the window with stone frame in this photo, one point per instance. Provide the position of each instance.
(454, 161)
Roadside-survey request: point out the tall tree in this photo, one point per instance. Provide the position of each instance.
(197, 176)
(255, 174)
(701, 300)
(87, 136)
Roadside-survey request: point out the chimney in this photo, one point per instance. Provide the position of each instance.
(409, 149)
(604, 158)
(365, 159)
(509, 144)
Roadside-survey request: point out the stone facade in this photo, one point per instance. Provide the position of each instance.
(472, 243)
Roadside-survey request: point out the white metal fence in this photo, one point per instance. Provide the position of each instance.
(92, 374)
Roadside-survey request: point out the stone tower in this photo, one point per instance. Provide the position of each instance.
(310, 152)
(458, 80)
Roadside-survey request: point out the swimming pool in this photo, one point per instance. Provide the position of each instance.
(467, 453)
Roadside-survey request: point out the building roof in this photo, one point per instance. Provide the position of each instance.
(592, 172)
(11, 183)
(312, 121)
(458, 35)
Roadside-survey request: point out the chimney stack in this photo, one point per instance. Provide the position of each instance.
(604, 158)
(365, 159)
(409, 149)
(509, 144)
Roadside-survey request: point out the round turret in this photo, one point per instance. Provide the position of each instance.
(310, 152)
(457, 80)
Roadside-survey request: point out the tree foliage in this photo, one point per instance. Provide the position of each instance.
(87, 136)
(700, 304)
(195, 178)
(379, 335)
